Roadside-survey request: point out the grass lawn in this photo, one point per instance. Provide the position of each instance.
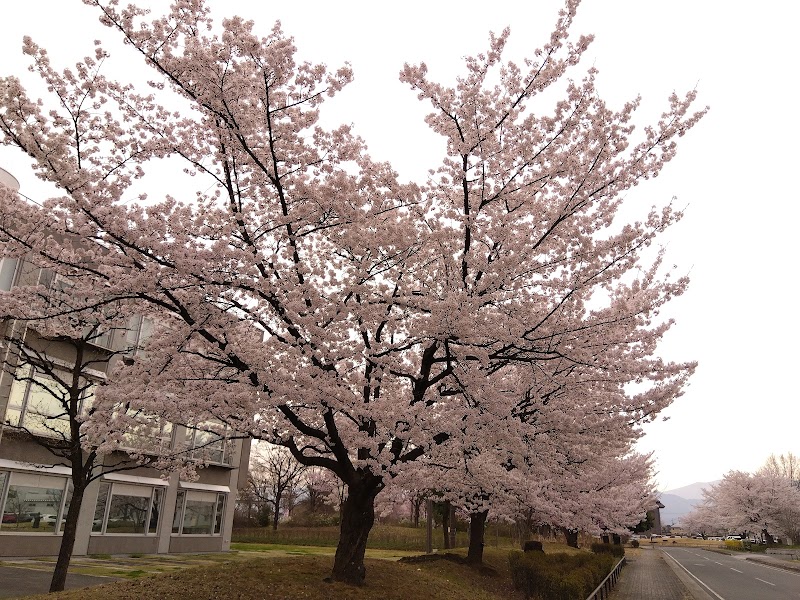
(300, 575)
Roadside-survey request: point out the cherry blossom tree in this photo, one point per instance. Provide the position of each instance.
(567, 473)
(782, 477)
(316, 302)
(702, 521)
(765, 503)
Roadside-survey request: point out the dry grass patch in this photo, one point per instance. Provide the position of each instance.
(301, 576)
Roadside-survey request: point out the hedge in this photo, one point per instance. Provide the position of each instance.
(612, 549)
(559, 576)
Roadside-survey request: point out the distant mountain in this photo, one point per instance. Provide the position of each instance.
(681, 501)
(694, 490)
(675, 508)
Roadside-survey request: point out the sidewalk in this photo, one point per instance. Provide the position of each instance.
(647, 576)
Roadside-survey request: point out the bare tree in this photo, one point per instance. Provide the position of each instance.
(55, 367)
(274, 478)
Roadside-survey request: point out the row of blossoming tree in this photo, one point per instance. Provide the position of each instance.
(490, 333)
(763, 505)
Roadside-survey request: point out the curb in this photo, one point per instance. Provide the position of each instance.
(691, 585)
(777, 565)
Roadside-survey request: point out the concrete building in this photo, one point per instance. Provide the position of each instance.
(130, 511)
(654, 517)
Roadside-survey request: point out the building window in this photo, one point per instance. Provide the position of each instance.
(8, 267)
(152, 437)
(140, 329)
(63, 297)
(128, 508)
(33, 503)
(198, 513)
(38, 402)
(208, 442)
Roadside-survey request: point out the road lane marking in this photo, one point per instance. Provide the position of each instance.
(737, 570)
(720, 564)
(767, 582)
(675, 560)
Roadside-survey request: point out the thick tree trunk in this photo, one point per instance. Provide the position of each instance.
(572, 537)
(67, 541)
(768, 537)
(452, 526)
(277, 514)
(477, 530)
(446, 524)
(357, 518)
(525, 528)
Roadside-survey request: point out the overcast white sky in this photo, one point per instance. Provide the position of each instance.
(736, 171)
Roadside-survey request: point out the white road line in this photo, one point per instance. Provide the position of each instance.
(720, 564)
(737, 570)
(694, 576)
(767, 582)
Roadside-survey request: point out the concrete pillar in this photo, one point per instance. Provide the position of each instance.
(242, 450)
(86, 519)
(167, 514)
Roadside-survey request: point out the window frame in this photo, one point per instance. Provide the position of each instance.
(23, 407)
(8, 273)
(105, 340)
(140, 328)
(220, 495)
(156, 502)
(164, 438)
(11, 469)
(200, 453)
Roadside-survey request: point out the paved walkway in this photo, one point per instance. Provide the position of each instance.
(15, 581)
(647, 576)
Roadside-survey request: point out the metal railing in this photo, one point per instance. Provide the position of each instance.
(604, 589)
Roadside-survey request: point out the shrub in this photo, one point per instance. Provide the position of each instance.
(734, 544)
(634, 543)
(558, 576)
(532, 546)
(612, 549)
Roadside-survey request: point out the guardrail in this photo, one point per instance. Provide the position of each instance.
(604, 589)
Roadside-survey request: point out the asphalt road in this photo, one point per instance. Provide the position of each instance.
(733, 578)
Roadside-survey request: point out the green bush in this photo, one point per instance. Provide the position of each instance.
(559, 576)
(634, 543)
(612, 549)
